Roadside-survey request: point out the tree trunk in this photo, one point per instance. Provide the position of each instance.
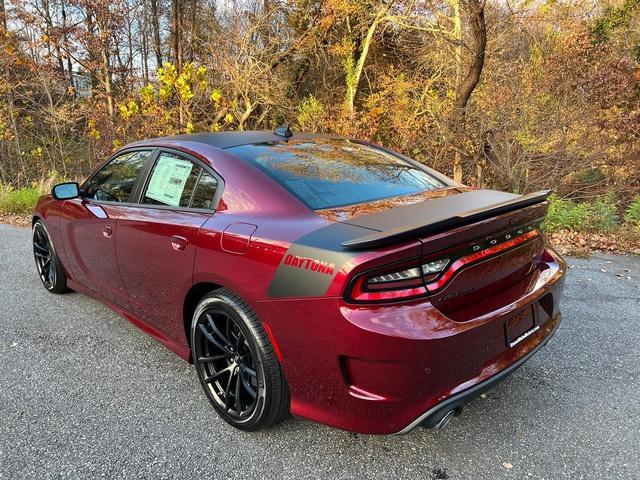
(144, 47)
(478, 34)
(467, 80)
(108, 88)
(67, 48)
(193, 29)
(176, 44)
(155, 26)
(94, 61)
(130, 46)
(3, 17)
(353, 67)
(106, 64)
(248, 109)
(50, 27)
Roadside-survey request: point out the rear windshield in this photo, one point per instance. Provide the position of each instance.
(327, 173)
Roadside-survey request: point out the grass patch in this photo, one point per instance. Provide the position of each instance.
(22, 201)
(18, 201)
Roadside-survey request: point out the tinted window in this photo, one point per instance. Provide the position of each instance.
(206, 189)
(115, 181)
(328, 173)
(172, 181)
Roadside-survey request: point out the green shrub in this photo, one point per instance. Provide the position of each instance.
(632, 215)
(565, 214)
(310, 113)
(20, 201)
(600, 215)
(603, 214)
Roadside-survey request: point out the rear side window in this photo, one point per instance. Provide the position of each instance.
(178, 182)
(205, 191)
(327, 173)
(115, 181)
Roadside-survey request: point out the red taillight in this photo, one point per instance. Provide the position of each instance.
(401, 282)
(414, 279)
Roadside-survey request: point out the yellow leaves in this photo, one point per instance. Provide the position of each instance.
(167, 73)
(184, 84)
(343, 49)
(37, 153)
(92, 131)
(183, 88)
(201, 77)
(128, 110)
(147, 95)
(173, 104)
(309, 111)
(228, 118)
(537, 59)
(546, 6)
(45, 38)
(165, 92)
(216, 95)
(116, 144)
(346, 7)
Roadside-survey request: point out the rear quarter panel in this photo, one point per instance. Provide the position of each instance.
(250, 272)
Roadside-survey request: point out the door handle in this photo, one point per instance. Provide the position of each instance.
(179, 243)
(107, 231)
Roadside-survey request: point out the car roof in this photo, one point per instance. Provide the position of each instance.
(234, 139)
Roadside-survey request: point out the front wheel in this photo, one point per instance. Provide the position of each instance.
(236, 363)
(50, 269)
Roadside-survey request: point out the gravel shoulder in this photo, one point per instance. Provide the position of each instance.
(85, 394)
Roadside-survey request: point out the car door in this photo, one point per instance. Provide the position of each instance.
(89, 223)
(156, 239)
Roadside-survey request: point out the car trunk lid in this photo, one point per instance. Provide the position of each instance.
(490, 241)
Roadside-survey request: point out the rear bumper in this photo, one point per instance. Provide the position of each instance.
(432, 417)
(384, 369)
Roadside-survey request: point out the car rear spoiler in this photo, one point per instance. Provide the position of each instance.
(436, 215)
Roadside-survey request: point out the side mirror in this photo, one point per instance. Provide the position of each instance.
(65, 191)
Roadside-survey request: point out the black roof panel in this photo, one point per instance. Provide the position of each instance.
(235, 139)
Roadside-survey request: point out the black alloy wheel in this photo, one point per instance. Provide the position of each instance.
(236, 364)
(228, 364)
(49, 267)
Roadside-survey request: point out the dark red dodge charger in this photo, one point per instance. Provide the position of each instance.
(317, 275)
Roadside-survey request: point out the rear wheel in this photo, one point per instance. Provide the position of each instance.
(236, 363)
(50, 269)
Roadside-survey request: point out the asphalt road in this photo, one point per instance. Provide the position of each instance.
(84, 394)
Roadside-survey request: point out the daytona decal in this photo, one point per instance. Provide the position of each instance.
(310, 264)
(313, 261)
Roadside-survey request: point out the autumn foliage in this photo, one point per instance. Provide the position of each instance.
(555, 103)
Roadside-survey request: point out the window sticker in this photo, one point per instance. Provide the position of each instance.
(168, 180)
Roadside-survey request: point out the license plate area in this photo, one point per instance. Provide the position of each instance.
(520, 325)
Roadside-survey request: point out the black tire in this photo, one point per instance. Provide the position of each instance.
(50, 269)
(236, 364)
